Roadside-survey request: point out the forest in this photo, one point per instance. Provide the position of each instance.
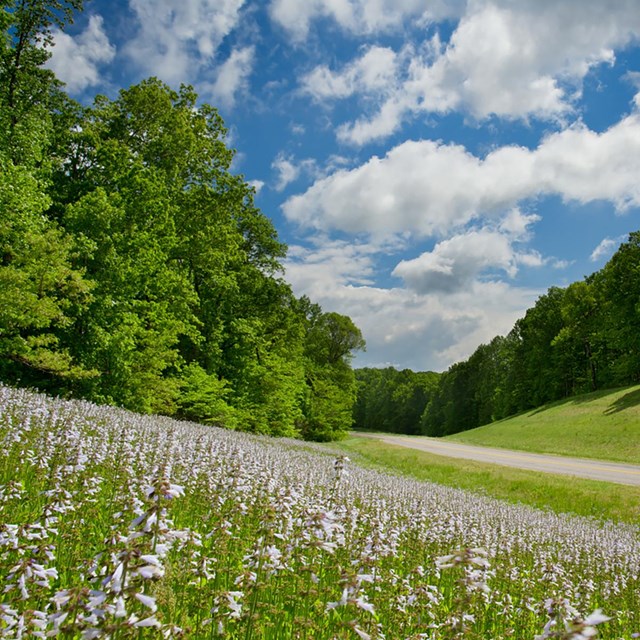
(574, 340)
(135, 269)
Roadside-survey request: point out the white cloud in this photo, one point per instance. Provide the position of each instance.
(428, 188)
(76, 60)
(513, 60)
(232, 76)
(257, 185)
(384, 123)
(330, 264)
(175, 39)
(516, 224)
(373, 71)
(360, 16)
(289, 169)
(423, 332)
(606, 248)
(455, 263)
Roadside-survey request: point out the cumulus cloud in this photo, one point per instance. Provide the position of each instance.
(512, 60)
(289, 169)
(429, 188)
(516, 224)
(77, 60)
(606, 248)
(257, 185)
(360, 16)
(328, 264)
(455, 263)
(175, 39)
(401, 327)
(373, 71)
(232, 76)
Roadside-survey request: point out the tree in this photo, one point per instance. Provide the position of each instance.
(619, 285)
(331, 385)
(29, 93)
(41, 291)
(135, 267)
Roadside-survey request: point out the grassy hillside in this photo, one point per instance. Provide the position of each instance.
(604, 425)
(122, 526)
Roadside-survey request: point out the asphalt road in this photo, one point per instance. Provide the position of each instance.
(593, 469)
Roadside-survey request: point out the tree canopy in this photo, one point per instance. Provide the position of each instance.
(135, 268)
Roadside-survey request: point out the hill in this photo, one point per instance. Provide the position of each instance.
(603, 424)
(120, 525)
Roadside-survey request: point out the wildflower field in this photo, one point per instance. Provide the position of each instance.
(115, 525)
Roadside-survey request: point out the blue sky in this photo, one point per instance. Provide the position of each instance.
(433, 165)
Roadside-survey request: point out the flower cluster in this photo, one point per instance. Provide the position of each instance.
(114, 525)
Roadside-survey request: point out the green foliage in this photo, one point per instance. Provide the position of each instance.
(40, 291)
(392, 401)
(331, 383)
(29, 93)
(135, 269)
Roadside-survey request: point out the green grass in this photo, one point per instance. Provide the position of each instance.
(602, 500)
(604, 425)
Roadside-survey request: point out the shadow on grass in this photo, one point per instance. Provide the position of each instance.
(626, 401)
(585, 398)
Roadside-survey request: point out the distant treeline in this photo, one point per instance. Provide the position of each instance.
(391, 400)
(135, 269)
(573, 340)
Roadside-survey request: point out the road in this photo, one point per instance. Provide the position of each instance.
(592, 469)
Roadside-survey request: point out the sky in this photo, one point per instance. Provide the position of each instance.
(434, 166)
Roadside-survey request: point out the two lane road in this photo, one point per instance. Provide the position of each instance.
(592, 469)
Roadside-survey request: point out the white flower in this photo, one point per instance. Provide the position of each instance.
(596, 618)
(147, 601)
(362, 634)
(340, 603)
(147, 622)
(364, 605)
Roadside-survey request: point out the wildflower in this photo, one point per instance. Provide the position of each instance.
(147, 601)
(147, 622)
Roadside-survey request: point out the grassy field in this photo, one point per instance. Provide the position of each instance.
(120, 526)
(603, 425)
(558, 493)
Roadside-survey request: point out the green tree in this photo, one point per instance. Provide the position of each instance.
(41, 292)
(619, 285)
(577, 340)
(186, 267)
(328, 404)
(29, 93)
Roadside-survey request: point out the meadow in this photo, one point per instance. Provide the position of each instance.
(603, 425)
(116, 525)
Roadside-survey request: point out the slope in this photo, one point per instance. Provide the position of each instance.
(603, 425)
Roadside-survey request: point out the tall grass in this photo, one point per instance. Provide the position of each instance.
(118, 526)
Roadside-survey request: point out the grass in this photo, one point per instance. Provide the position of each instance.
(604, 425)
(602, 500)
(120, 526)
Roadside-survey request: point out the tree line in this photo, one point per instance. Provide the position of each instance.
(135, 268)
(391, 400)
(574, 340)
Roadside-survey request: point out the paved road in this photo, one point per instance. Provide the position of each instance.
(592, 469)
